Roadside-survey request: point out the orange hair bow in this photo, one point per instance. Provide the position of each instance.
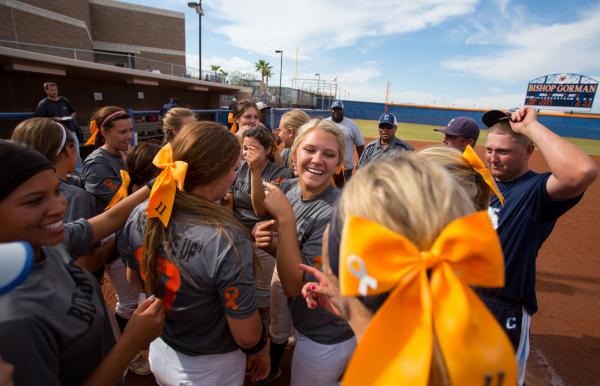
(94, 130)
(475, 162)
(122, 192)
(168, 181)
(397, 346)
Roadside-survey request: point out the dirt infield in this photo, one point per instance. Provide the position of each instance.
(565, 335)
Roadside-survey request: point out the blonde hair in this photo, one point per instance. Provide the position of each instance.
(44, 135)
(453, 161)
(293, 119)
(171, 122)
(326, 126)
(415, 198)
(408, 195)
(210, 151)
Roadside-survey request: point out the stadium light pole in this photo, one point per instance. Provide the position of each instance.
(280, 52)
(198, 7)
(318, 86)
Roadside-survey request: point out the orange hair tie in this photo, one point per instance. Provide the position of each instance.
(475, 162)
(94, 130)
(172, 177)
(429, 291)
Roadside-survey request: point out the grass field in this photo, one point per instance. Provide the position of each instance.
(416, 132)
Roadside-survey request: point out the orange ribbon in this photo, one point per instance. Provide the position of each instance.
(122, 192)
(475, 162)
(234, 127)
(168, 181)
(231, 293)
(94, 130)
(397, 346)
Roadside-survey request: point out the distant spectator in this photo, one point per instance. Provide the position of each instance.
(460, 132)
(263, 109)
(232, 107)
(61, 110)
(387, 145)
(173, 102)
(353, 138)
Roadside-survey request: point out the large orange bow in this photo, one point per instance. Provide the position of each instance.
(397, 346)
(168, 181)
(122, 192)
(474, 161)
(94, 130)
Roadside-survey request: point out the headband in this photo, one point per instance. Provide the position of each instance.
(122, 191)
(63, 140)
(474, 161)
(429, 291)
(94, 126)
(18, 166)
(172, 177)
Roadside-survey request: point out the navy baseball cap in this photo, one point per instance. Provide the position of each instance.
(337, 105)
(388, 118)
(494, 116)
(461, 126)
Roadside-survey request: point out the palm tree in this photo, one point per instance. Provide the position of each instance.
(214, 68)
(268, 74)
(223, 75)
(263, 67)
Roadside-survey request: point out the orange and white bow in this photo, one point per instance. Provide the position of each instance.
(429, 292)
(172, 177)
(122, 191)
(475, 162)
(94, 130)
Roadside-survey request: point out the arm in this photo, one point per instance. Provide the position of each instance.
(572, 170)
(114, 219)
(98, 258)
(359, 150)
(288, 252)
(144, 326)
(257, 192)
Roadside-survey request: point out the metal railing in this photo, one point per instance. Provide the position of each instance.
(121, 60)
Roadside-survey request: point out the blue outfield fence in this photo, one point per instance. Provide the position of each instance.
(578, 125)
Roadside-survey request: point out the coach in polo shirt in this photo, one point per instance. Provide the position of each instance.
(460, 132)
(387, 145)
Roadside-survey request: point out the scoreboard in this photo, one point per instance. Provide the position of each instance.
(566, 91)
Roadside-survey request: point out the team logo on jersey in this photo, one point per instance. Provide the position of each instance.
(109, 184)
(231, 294)
(170, 279)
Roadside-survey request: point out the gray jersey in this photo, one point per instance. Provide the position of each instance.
(353, 137)
(374, 150)
(242, 202)
(312, 217)
(205, 278)
(80, 204)
(102, 175)
(54, 327)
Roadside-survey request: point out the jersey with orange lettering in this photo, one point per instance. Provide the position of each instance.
(204, 276)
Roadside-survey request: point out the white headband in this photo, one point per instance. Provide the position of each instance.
(64, 138)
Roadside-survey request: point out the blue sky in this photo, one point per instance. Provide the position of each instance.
(465, 53)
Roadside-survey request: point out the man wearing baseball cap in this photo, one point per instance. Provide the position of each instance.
(460, 132)
(263, 108)
(387, 145)
(353, 138)
(533, 203)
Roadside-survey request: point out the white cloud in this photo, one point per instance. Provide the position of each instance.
(533, 50)
(230, 65)
(314, 25)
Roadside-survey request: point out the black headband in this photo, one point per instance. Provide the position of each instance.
(19, 165)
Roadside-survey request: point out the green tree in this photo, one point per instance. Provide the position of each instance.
(264, 68)
(214, 68)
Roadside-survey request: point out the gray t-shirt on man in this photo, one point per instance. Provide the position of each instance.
(206, 276)
(312, 217)
(54, 327)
